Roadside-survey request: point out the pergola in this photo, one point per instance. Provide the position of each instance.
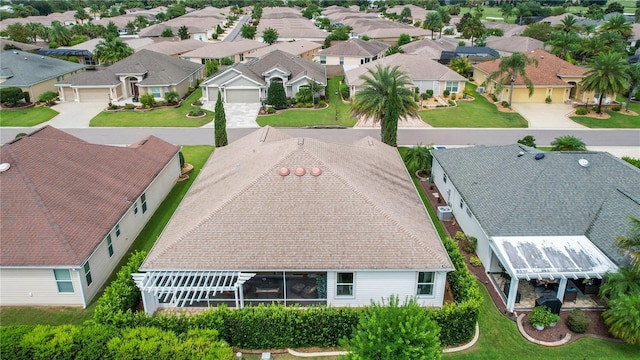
(180, 288)
(550, 258)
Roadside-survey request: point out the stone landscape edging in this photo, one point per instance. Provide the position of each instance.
(563, 341)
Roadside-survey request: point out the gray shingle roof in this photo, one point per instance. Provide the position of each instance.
(62, 195)
(356, 47)
(361, 212)
(161, 69)
(26, 69)
(513, 195)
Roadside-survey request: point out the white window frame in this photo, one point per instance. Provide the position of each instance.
(452, 86)
(135, 208)
(117, 230)
(110, 245)
(87, 273)
(425, 283)
(143, 202)
(340, 284)
(63, 281)
(155, 91)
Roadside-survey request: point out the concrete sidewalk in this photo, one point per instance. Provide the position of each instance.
(547, 116)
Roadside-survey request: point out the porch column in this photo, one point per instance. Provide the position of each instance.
(513, 291)
(562, 286)
(240, 291)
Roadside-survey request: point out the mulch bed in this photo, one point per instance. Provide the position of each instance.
(597, 328)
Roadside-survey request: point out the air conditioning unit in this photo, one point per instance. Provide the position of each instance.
(445, 213)
(480, 89)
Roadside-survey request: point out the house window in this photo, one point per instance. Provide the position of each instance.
(425, 283)
(63, 280)
(155, 91)
(444, 178)
(344, 284)
(341, 60)
(166, 90)
(461, 204)
(323, 59)
(109, 245)
(452, 86)
(87, 273)
(361, 61)
(135, 208)
(117, 230)
(143, 203)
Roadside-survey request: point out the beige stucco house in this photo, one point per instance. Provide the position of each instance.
(352, 53)
(234, 50)
(71, 210)
(552, 77)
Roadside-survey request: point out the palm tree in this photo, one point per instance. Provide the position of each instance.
(112, 49)
(563, 43)
(59, 34)
(433, 22)
(607, 75)
(509, 69)
(623, 282)
(568, 143)
(461, 65)
(617, 24)
(371, 101)
(623, 317)
(568, 24)
(418, 158)
(631, 242)
(634, 81)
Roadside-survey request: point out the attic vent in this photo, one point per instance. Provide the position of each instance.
(539, 156)
(315, 171)
(300, 171)
(283, 171)
(583, 162)
(4, 167)
(15, 52)
(520, 153)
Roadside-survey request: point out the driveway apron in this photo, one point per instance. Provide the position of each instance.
(239, 115)
(547, 116)
(74, 115)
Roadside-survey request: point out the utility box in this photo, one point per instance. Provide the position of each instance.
(266, 356)
(445, 213)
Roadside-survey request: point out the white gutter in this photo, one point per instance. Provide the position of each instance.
(84, 300)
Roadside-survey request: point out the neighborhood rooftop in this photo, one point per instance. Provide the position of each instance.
(23, 69)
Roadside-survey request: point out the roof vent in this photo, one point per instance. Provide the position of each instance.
(583, 162)
(15, 52)
(300, 171)
(520, 153)
(539, 156)
(283, 171)
(315, 171)
(4, 167)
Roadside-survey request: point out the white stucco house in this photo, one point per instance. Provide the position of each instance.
(249, 82)
(540, 216)
(272, 218)
(71, 210)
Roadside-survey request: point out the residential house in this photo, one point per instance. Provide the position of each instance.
(302, 48)
(352, 53)
(144, 72)
(84, 51)
(551, 76)
(71, 210)
(425, 74)
(234, 50)
(34, 74)
(175, 47)
(297, 221)
(202, 24)
(431, 48)
(507, 46)
(290, 25)
(540, 216)
(6, 44)
(474, 54)
(248, 83)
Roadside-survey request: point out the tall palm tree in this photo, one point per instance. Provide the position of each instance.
(433, 22)
(617, 24)
(607, 75)
(623, 282)
(634, 81)
(563, 44)
(568, 24)
(59, 34)
(379, 83)
(112, 49)
(509, 69)
(631, 242)
(623, 317)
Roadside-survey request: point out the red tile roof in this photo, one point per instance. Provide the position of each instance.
(548, 71)
(62, 195)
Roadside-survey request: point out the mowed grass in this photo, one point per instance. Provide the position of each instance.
(500, 339)
(26, 117)
(57, 315)
(479, 113)
(162, 117)
(618, 119)
(312, 117)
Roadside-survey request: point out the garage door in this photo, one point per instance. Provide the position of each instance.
(94, 95)
(213, 94)
(243, 95)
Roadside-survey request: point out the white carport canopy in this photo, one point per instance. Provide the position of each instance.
(551, 257)
(181, 287)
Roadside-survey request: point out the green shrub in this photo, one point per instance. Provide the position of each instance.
(344, 91)
(578, 321)
(542, 316)
(528, 140)
(446, 93)
(129, 106)
(594, 109)
(172, 97)
(48, 97)
(504, 103)
(582, 111)
(322, 104)
(51, 342)
(11, 95)
(271, 110)
(453, 96)
(10, 341)
(197, 103)
(299, 105)
(494, 97)
(547, 100)
(615, 108)
(475, 261)
(308, 105)
(147, 100)
(429, 93)
(196, 112)
(452, 103)
(276, 96)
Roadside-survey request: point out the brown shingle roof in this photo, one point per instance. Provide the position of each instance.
(362, 212)
(547, 72)
(62, 195)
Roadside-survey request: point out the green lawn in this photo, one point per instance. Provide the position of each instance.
(500, 339)
(165, 117)
(618, 119)
(309, 117)
(27, 117)
(195, 155)
(479, 113)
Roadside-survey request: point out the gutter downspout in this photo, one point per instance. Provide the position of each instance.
(84, 300)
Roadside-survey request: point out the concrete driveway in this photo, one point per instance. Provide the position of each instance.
(547, 116)
(239, 115)
(74, 115)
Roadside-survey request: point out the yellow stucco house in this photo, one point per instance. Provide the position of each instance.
(552, 77)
